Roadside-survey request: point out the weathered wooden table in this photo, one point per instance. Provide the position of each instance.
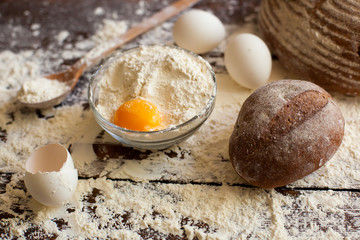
(189, 191)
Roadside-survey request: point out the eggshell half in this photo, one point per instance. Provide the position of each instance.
(50, 176)
(52, 188)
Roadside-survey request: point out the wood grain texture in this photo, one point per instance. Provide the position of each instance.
(280, 214)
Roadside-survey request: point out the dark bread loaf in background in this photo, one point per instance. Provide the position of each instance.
(285, 130)
(318, 40)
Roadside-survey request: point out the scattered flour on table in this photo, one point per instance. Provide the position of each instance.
(22, 130)
(61, 36)
(99, 11)
(201, 211)
(108, 30)
(122, 210)
(39, 88)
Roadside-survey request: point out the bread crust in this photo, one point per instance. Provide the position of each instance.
(317, 40)
(284, 131)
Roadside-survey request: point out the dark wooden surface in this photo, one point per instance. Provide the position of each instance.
(74, 16)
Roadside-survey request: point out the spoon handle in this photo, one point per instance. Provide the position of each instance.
(108, 47)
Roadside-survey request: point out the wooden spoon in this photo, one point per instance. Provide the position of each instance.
(72, 75)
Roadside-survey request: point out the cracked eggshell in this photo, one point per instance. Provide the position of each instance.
(50, 176)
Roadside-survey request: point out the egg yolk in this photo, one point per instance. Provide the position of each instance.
(138, 115)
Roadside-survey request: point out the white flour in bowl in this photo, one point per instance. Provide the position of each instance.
(178, 83)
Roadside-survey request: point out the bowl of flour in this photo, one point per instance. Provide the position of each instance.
(179, 83)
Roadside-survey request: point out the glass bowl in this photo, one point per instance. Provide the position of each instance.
(159, 139)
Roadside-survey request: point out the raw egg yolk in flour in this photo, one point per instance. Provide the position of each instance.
(139, 115)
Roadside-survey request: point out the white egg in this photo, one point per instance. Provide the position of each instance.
(50, 176)
(198, 31)
(248, 60)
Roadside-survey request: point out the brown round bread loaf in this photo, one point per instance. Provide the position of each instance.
(318, 40)
(284, 131)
